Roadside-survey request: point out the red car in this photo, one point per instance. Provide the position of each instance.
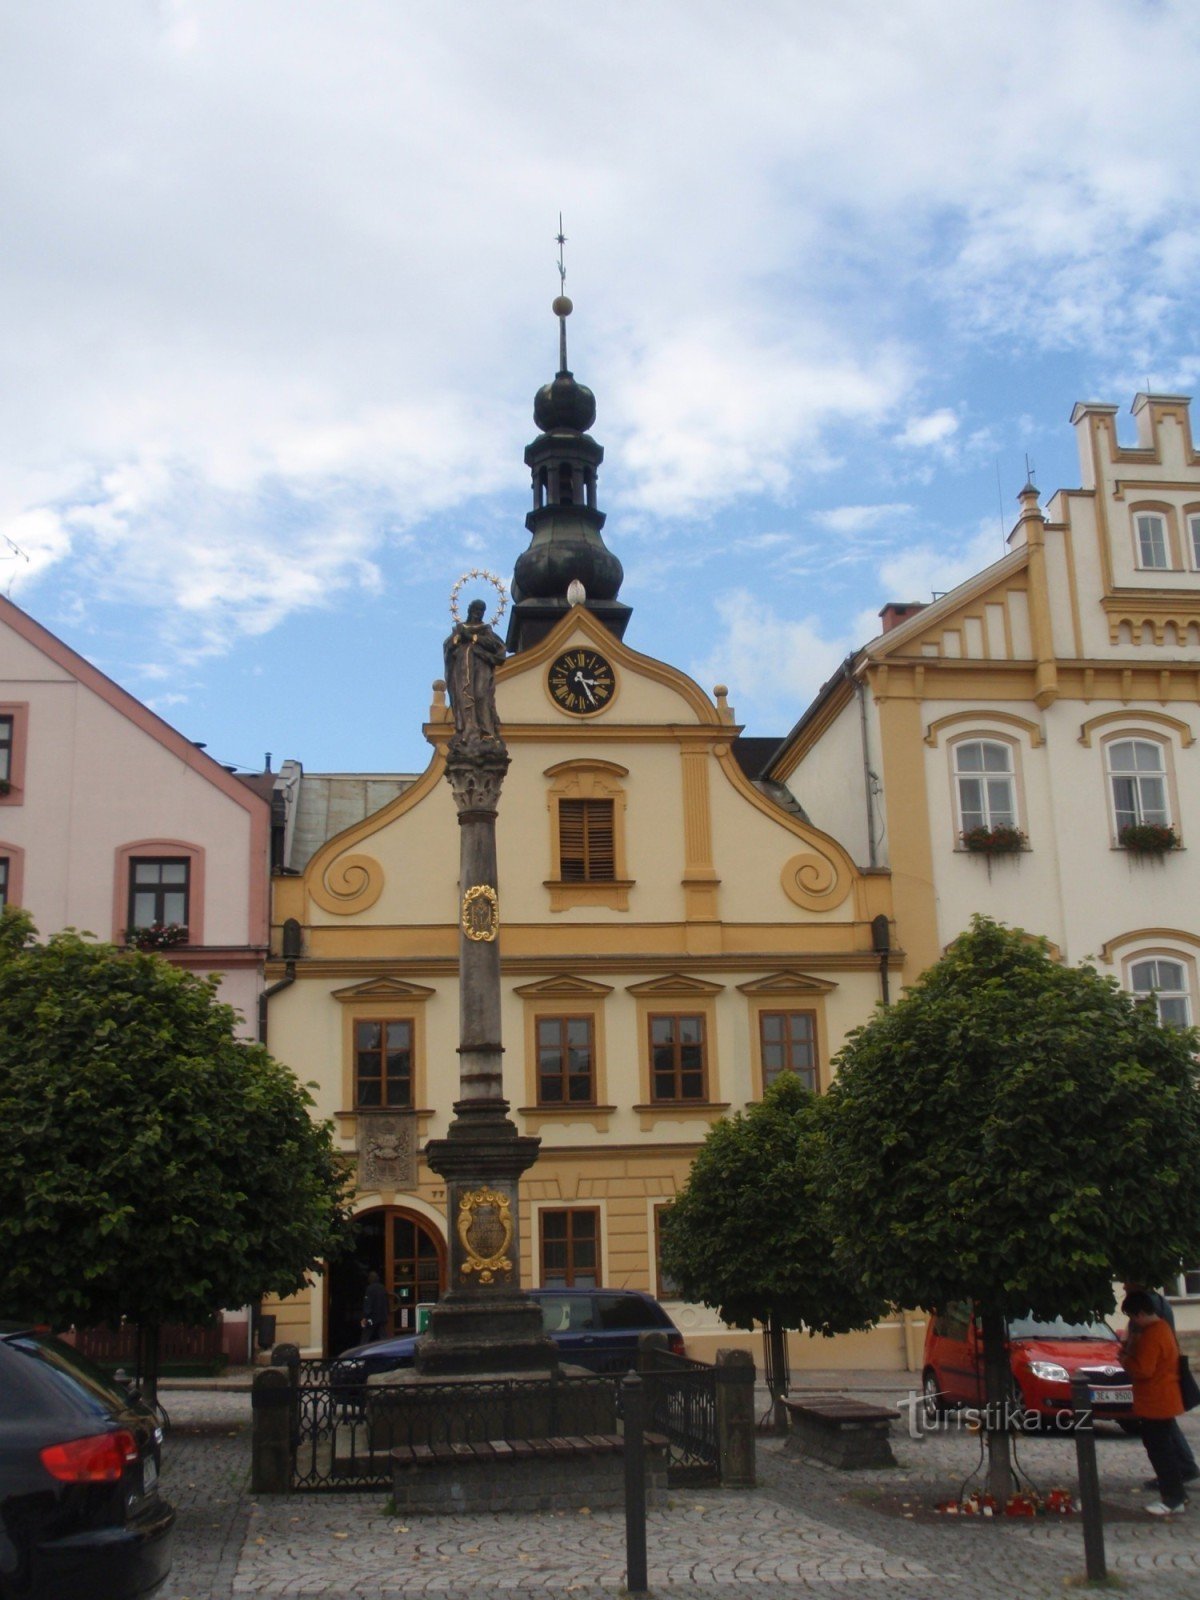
(1043, 1356)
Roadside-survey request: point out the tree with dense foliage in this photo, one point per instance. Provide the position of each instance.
(1017, 1133)
(749, 1233)
(153, 1166)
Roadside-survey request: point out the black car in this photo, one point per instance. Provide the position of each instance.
(593, 1328)
(81, 1517)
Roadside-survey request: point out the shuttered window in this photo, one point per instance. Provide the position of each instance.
(585, 840)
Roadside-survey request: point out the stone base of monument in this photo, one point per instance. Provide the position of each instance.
(411, 1408)
(471, 1335)
(563, 1473)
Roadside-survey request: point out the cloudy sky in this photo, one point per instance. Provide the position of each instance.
(274, 302)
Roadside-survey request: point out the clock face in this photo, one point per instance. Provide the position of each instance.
(581, 681)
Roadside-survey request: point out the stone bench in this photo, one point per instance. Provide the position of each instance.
(559, 1474)
(840, 1431)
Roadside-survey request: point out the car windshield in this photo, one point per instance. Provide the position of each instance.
(1056, 1328)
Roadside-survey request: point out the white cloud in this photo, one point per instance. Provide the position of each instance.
(276, 278)
(861, 519)
(923, 570)
(935, 429)
(776, 662)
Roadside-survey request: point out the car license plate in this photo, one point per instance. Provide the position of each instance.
(149, 1474)
(1112, 1397)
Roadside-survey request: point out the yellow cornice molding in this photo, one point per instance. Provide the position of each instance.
(1136, 714)
(813, 731)
(844, 959)
(674, 984)
(592, 763)
(1008, 718)
(677, 733)
(568, 985)
(1168, 936)
(786, 983)
(386, 988)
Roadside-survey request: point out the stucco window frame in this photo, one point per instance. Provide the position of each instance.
(18, 711)
(390, 1003)
(1132, 730)
(980, 733)
(163, 849)
(787, 991)
(538, 1210)
(15, 890)
(1164, 952)
(676, 997)
(566, 996)
(1166, 511)
(588, 779)
(1191, 523)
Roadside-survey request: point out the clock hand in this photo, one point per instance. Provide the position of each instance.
(586, 683)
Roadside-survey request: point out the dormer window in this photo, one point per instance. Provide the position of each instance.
(1150, 531)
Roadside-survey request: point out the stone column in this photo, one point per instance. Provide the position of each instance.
(484, 1323)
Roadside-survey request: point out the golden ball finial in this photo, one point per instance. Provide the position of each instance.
(561, 306)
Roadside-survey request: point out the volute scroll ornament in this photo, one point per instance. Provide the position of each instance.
(348, 884)
(813, 882)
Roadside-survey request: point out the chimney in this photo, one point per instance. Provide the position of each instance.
(898, 611)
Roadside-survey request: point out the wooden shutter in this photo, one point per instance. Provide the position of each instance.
(585, 839)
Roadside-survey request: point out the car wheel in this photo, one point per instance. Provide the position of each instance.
(931, 1399)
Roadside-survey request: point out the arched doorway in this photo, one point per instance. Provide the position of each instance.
(407, 1252)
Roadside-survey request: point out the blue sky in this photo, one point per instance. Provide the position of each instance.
(274, 302)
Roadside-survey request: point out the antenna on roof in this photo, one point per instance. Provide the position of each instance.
(1030, 471)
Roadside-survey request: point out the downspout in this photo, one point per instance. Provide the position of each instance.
(881, 941)
(285, 982)
(868, 775)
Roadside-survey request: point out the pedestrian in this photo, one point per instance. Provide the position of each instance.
(1151, 1358)
(375, 1312)
(1188, 1469)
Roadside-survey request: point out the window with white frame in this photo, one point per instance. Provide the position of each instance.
(984, 784)
(1138, 780)
(1150, 532)
(1188, 1286)
(1193, 524)
(1167, 982)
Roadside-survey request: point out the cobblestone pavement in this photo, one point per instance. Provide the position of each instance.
(807, 1530)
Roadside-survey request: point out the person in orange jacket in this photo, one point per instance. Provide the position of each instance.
(1150, 1356)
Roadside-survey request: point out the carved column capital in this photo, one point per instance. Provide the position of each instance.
(475, 771)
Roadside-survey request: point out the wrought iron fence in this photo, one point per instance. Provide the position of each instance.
(681, 1403)
(343, 1429)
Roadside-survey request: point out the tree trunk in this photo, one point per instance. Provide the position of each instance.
(777, 1366)
(147, 1361)
(997, 1388)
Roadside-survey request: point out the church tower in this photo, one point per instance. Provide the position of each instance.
(567, 549)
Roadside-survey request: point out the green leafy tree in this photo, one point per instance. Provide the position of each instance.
(749, 1232)
(1014, 1132)
(152, 1165)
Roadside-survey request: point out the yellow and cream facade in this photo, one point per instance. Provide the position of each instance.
(711, 936)
(1057, 693)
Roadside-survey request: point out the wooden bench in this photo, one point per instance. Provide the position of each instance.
(840, 1431)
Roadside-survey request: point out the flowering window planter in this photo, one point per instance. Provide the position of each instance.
(999, 841)
(1148, 838)
(158, 936)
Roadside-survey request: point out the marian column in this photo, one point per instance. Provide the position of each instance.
(484, 1323)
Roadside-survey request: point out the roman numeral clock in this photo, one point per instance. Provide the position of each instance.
(581, 681)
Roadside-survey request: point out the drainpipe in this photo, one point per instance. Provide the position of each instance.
(868, 775)
(284, 983)
(881, 941)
